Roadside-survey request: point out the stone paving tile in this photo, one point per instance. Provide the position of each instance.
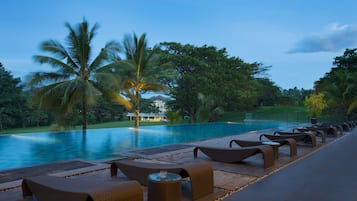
(231, 181)
(18, 173)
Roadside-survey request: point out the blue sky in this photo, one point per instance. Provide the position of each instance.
(298, 39)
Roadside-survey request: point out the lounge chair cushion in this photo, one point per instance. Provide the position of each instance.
(305, 137)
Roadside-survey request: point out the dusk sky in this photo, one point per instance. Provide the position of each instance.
(298, 39)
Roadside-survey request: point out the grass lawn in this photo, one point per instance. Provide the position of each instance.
(281, 113)
(115, 124)
(278, 113)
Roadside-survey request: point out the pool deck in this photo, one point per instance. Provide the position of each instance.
(327, 170)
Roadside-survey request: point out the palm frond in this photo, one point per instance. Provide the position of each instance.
(58, 51)
(113, 95)
(129, 47)
(141, 49)
(106, 80)
(40, 77)
(129, 93)
(119, 99)
(60, 65)
(91, 93)
(92, 32)
(153, 87)
(79, 91)
(129, 84)
(124, 66)
(79, 43)
(72, 43)
(48, 96)
(55, 48)
(105, 54)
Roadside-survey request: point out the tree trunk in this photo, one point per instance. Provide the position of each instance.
(192, 117)
(84, 115)
(137, 109)
(1, 110)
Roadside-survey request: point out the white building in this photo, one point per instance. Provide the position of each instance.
(147, 117)
(160, 116)
(161, 105)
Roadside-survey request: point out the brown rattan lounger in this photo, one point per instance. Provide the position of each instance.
(200, 173)
(329, 130)
(289, 141)
(318, 132)
(305, 137)
(50, 188)
(234, 155)
(340, 127)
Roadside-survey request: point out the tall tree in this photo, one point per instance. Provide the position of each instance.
(142, 74)
(268, 93)
(339, 85)
(78, 79)
(224, 82)
(12, 101)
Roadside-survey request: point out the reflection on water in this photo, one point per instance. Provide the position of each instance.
(35, 138)
(36, 148)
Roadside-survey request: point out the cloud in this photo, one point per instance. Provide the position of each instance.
(336, 37)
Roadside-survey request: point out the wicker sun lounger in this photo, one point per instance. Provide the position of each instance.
(305, 137)
(319, 133)
(342, 126)
(50, 188)
(200, 173)
(234, 155)
(329, 130)
(289, 141)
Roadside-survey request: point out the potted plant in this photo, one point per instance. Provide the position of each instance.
(315, 104)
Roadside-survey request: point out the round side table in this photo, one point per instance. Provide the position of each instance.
(166, 188)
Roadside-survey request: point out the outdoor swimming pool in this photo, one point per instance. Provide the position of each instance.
(36, 148)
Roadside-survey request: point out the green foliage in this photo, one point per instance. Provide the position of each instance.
(315, 104)
(173, 116)
(340, 86)
(106, 111)
(347, 61)
(293, 96)
(268, 93)
(351, 94)
(78, 79)
(229, 82)
(147, 106)
(12, 101)
(142, 74)
(208, 110)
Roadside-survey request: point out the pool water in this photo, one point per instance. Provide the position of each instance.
(36, 148)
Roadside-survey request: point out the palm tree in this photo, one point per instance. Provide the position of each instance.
(78, 80)
(142, 74)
